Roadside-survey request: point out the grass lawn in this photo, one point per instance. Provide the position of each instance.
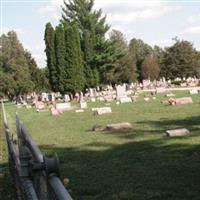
(138, 164)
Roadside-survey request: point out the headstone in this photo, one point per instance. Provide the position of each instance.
(39, 105)
(83, 105)
(63, 106)
(194, 91)
(100, 98)
(79, 111)
(55, 112)
(121, 91)
(183, 101)
(178, 132)
(118, 126)
(66, 98)
(170, 95)
(103, 110)
(93, 99)
(125, 100)
(44, 96)
(146, 98)
(108, 98)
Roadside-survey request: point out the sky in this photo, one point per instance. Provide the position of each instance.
(156, 22)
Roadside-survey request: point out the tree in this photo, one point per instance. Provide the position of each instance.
(60, 52)
(180, 60)
(51, 59)
(125, 67)
(74, 71)
(98, 52)
(150, 68)
(139, 50)
(38, 76)
(15, 74)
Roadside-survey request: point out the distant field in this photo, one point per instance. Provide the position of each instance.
(138, 164)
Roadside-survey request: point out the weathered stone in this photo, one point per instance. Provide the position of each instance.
(98, 128)
(125, 100)
(93, 99)
(63, 106)
(178, 132)
(118, 126)
(79, 111)
(194, 91)
(55, 112)
(183, 101)
(103, 110)
(83, 105)
(170, 95)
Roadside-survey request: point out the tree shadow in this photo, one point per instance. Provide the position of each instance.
(191, 123)
(141, 170)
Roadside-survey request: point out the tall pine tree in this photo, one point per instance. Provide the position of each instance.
(97, 50)
(75, 81)
(51, 59)
(60, 58)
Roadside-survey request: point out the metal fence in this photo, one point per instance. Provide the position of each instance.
(35, 176)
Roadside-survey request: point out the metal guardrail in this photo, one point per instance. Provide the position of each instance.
(35, 176)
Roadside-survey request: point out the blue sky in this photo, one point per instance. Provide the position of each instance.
(155, 22)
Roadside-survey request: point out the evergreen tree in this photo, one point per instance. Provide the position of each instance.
(125, 67)
(180, 60)
(60, 58)
(51, 60)
(97, 50)
(74, 69)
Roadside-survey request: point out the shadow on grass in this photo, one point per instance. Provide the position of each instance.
(136, 170)
(191, 123)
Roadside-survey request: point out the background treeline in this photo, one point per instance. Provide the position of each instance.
(19, 73)
(82, 52)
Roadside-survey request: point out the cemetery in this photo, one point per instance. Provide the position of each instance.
(100, 100)
(144, 143)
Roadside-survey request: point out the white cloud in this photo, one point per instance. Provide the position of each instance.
(125, 11)
(193, 30)
(194, 19)
(118, 11)
(162, 42)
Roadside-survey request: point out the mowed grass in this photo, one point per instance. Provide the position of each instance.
(139, 164)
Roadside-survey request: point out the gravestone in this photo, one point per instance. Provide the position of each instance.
(93, 99)
(44, 96)
(178, 132)
(118, 126)
(63, 106)
(55, 112)
(121, 91)
(39, 105)
(125, 100)
(194, 91)
(83, 105)
(183, 101)
(66, 98)
(103, 110)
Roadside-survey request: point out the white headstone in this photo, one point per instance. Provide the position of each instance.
(63, 106)
(121, 91)
(125, 100)
(83, 104)
(103, 110)
(66, 98)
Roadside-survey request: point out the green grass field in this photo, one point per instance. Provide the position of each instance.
(138, 164)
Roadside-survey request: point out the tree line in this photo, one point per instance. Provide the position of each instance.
(82, 52)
